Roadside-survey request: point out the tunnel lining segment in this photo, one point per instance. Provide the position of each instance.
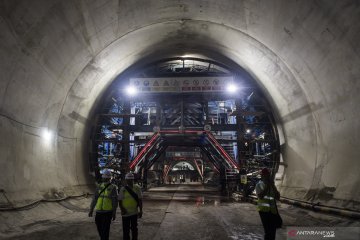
(287, 76)
(114, 43)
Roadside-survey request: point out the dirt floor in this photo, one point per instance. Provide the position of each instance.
(174, 212)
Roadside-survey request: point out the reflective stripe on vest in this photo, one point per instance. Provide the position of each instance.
(104, 201)
(263, 204)
(267, 204)
(269, 197)
(128, 202)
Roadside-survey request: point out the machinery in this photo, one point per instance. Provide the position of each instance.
(201, 112)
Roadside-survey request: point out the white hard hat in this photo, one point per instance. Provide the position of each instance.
(129, 176)
(106, 173)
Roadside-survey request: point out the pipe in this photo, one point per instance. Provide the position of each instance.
(311, 206)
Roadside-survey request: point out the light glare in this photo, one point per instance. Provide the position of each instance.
(131, 90)
(231, 88)
(47, 134)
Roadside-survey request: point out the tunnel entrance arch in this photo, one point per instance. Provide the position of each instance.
(181, 171)
(223, 106)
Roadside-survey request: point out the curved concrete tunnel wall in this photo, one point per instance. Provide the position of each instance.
(58, 58)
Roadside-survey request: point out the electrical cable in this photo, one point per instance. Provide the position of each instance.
(37, 202)
(322, 208)
(17, 121)
(317, 207)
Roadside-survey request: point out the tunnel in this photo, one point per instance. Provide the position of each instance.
(63, 61)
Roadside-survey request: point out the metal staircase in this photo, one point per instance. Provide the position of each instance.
(229, 148)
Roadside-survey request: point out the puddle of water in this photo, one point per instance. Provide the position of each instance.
(214, 201)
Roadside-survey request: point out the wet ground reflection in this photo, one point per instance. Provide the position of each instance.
(197, 194)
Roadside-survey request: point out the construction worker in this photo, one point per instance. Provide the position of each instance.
(130, 201)
(105, 203)
(266, 205)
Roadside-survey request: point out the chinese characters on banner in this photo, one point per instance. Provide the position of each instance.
(182, 84)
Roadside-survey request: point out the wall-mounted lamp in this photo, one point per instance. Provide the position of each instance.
(47, 134)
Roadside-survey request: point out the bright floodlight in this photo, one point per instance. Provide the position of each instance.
(131, 90)
(231, 88)
(248, 130)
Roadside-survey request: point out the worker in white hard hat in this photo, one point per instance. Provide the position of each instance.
(105, 203)
(130, 202)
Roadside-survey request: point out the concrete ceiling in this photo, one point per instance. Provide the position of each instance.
(58, 58)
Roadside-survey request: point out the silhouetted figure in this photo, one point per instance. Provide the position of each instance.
(267, 195)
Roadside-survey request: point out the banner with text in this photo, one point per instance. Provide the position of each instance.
(181, 84)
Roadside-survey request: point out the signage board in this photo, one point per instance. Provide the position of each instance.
(181, 84)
